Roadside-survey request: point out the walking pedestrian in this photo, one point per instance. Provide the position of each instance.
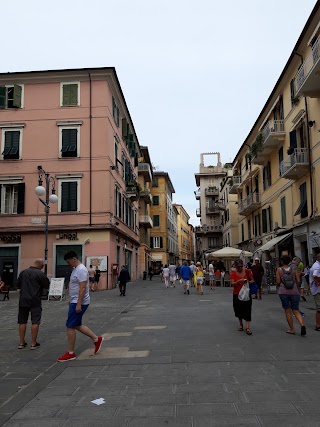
(242, 309)
(166, 274)
(211, 275)
(92, 279)
(96, 279)
(288, 280)
(123, 279)
(186, 274)
(200, 278)
(315, 288)
(172, 270)
(193, 270)
(31, 283)
(79, 302)
(161, 273)
(178, 277)
(257, 272)
(150, 271)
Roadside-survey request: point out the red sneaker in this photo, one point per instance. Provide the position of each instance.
(66, 357)
(97, 345)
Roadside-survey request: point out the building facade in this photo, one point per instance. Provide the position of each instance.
(164, 237)
(184, 237)
(75, 126)
(275, 170)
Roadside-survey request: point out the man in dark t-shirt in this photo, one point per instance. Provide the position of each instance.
(31, 283)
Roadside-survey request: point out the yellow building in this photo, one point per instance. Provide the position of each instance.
(164, 237)
(183, 234)
(145, 175)
(275, 169)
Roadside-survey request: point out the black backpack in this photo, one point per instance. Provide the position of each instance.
(287, 278)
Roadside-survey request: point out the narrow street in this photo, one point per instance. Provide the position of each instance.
(168, 359)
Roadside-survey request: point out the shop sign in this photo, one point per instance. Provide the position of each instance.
(69, 236)
(10, 238)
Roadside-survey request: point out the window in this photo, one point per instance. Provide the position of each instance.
(156, 242)
(70, 94)
(249, 229)
(283, 211)
(292, 93)
(155, 182)
(156, 220)
(69, 141)
(12, 198)
(266, 174)
(116, 150)
(280, 157)
(266, 220)
(242, 232)
(69, 191)
(155, 200)
(11, 144)
(303, 207)
(11, 96)
(115, 112)
(257, 226)
(118, 200)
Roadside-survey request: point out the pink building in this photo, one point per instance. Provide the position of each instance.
(76, 125)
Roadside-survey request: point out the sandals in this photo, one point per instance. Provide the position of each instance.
(248, 332)
(34, 347)
(21, 346)
(290, 333)
(240, 328)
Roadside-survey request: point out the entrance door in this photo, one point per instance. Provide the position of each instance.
(62, 268)
(8, 271)
(128, 261)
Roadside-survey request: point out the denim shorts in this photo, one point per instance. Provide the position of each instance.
(290, 302)
(74, 318)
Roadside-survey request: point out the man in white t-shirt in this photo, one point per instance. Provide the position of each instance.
(315, 288)
(211, 275)
(78, 304)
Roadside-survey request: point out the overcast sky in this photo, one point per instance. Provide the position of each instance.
(195, 74)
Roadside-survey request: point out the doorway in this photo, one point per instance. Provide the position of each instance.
(62, 268)
(9, 266)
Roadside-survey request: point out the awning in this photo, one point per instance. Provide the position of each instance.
(156, 257)
(271, 244)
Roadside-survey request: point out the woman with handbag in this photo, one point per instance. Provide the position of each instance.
(242, 278)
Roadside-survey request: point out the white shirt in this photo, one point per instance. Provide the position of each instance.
(78, 275)
(314, 272)
(165, 272)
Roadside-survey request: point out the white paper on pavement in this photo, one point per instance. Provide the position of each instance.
(99, 401)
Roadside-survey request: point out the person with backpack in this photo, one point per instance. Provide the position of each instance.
(288, 280)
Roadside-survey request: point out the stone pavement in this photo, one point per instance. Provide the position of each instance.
(168, 359)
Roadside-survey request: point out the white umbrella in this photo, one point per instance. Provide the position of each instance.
(229, 253)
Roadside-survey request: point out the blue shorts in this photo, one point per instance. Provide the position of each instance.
(74, 318)
(290, 302)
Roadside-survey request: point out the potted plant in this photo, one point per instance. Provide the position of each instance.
(257, 146)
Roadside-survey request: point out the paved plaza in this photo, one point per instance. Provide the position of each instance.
(168, 359)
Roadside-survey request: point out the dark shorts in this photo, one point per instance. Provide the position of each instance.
(74, 318)
(91, 279)
(290, 302)
(23, 315)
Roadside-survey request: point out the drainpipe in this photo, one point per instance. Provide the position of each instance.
(90, 150)
(309, 145)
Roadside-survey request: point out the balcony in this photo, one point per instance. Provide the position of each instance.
(208, 229)
(198, 212)
(307, 82)
(249, 204)
(146, 196)
(213, 210)
(296, 164)
(212, 192)
(234, 184)
(132, 193)
(272, 135)
(197, 194)
(145, 221)
(145, 170)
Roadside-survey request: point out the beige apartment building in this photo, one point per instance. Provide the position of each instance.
(73, 125)
(276, 168)
(184, 236)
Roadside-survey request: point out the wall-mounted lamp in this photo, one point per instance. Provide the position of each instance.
(311, 123)
(116, 223)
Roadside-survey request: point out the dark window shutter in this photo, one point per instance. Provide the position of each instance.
(151, 242)
(136, 162)
(124, 127)
(269, 218)
(2, 97)
(264, 221)
(283, 212)
(293, 139)
(161, 244)
(69, 142)
(69, 196)
(21, 197)
(17, 94)
(11, 145)
(280, 156)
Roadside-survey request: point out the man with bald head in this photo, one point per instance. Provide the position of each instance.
(31, 283)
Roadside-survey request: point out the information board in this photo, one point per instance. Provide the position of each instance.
(56, 288)
(98, 262)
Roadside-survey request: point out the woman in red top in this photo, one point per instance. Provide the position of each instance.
(242, 309)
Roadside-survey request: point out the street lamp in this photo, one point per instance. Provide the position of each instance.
(50, 198)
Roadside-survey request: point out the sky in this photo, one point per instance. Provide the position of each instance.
(195, 74)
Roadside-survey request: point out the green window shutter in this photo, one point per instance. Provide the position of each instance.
(11, 145)
(131, 142)
(2, 98)
(70, 95)
(161, 244)
(118, 117)
(17, 95)
(124, 127)
(69, 196)
(156, 220)
(151, 242)
(21, 194)
(155, 200)
(69, 142)
(264, 221)
(136, 161)
(283, 212)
